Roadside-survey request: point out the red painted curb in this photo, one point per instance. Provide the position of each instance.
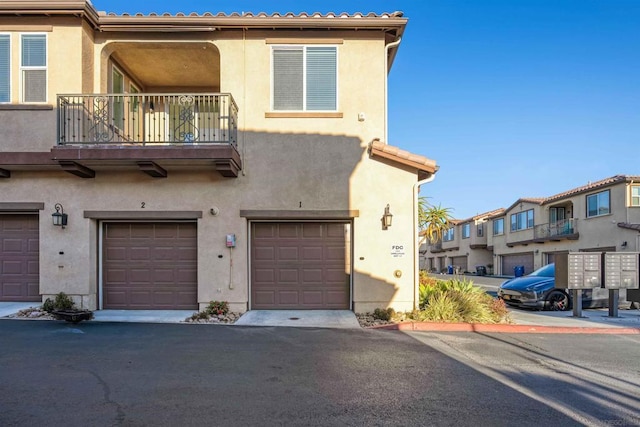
(500, 328)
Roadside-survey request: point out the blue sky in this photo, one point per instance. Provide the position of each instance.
(512, 98)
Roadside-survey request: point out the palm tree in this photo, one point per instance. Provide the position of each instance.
(434, 220)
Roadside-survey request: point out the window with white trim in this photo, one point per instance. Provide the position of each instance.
(33, 67)
(635, 195)
(522, 220)
(304, 78)
(480, 227)
(5, 68)
(598, 204)
(466, 231)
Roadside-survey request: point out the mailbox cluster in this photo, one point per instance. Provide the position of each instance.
(588, 270)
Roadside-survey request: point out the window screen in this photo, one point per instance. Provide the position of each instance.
(5, 75)
(34, 71)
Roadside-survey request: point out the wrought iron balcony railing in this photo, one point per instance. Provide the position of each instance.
(147, 119)
(558, 229)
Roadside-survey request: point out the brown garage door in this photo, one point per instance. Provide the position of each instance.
(509, 262)
(460, 262)
(19, 258)
(150, 266)
(299, 266)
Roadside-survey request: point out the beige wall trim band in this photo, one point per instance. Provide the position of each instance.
(27, 28)
(303, 41)
(21, 206)
(299, 214)
(137, 215)
(302, 115)
(26, 107)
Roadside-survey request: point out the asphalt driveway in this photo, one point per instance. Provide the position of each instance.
(165, 374)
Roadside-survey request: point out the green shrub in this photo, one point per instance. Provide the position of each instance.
(200, 315)
(459, 300)
(384, 314)
(48, 305)
(217, 308)
(61, 301)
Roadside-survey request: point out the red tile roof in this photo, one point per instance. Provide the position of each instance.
(421, 163)
(592, 186)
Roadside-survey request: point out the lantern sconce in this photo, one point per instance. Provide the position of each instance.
(59, 217)
(387, 218)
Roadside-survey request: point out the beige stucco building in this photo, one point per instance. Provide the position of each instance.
(239, 158)
(601, 216)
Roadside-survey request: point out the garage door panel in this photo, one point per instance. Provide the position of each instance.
(335, 298)
(150, 266)
(308, 264)
(264, 297)
(288, 231)
(19, 258)
(264, 254)
(12, 267)
(312, 276)
(311, 253)
(287, 275)
(288, 298)
(313, 298)
(288, 253)
(310, 231)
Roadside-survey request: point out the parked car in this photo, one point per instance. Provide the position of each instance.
(537, 290)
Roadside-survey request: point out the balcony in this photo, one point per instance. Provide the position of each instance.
(147, 130)
(556, 231)
(436, 247)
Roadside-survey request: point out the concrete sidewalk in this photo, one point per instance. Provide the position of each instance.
(593, 320)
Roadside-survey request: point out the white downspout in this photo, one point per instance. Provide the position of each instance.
(386, 87)
(416, 236)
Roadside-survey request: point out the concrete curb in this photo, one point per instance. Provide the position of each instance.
(500, 328)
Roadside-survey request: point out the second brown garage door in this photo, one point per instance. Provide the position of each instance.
(150, 266)
(299, 266)
(509, 262)
(19, 258)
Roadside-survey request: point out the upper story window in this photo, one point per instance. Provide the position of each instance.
(635, 195)
(522, 220)
(305, 78)
(598, 204)
(498, 226)
(448, 235)
(480, 228)
(5, 68)
(466, 231)
(33, 67)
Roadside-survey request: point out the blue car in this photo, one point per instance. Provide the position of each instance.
(538, 291)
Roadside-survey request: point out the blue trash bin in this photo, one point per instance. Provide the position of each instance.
(450, 269)
(518, 270)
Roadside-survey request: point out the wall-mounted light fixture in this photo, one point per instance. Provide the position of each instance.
(387, 218)
(624, 244)
(59, 217)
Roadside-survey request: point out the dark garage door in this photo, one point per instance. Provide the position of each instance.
(509, 262)
(460, 262)
(299, 266)
(19, 258)
(150, 266)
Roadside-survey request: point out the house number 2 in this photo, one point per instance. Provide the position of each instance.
(142, 205)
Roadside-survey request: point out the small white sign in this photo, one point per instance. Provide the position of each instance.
(397, 251)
